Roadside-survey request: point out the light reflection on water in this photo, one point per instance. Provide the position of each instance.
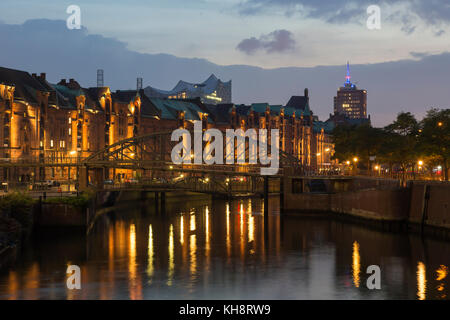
(218, 249)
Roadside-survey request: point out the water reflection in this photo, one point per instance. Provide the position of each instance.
(171, 254)
(150, 267)
(421, 281)
(356, 266)
(215, 249)
(181, 229)
(442, 273)
(228, 230)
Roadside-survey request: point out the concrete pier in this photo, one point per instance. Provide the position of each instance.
(420, 204)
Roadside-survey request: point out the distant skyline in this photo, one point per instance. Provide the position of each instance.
(264, 46)
(264, 33)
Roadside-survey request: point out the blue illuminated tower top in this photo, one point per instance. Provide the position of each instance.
(347, 78)
(348, 83)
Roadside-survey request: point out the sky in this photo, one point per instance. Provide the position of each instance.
(326, 32)
(271, 49)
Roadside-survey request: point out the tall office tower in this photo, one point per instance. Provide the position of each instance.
(351, 101)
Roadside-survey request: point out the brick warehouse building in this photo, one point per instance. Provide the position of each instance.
(66, 121)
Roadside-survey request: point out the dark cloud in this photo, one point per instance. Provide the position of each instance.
(419, 55)
(405, 12)
(276, 41)
(48, 46)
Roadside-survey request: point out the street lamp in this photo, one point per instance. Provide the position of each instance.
(420, 163)
(355, 159)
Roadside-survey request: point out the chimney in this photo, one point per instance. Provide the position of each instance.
(100, 78)
(306, 92)
(34, 75)
(63, 82)
(43, 76)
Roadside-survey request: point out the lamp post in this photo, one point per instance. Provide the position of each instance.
(355, 160)
(419, 166)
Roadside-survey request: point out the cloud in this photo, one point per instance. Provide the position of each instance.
(419, 55)
(48, 46)
(275, 42)
(403, 12)
(439, 33)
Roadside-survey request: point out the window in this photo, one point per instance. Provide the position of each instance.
(51, 143)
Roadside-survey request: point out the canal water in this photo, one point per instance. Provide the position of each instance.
(220, 250)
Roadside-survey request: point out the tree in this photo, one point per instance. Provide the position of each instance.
(400, 142)
(361, 141)
(434, 137)
(344, 140)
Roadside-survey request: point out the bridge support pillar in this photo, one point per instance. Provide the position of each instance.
(163, 202)
(266, 208)
(99, 177)
(83, 175)
(156, 202)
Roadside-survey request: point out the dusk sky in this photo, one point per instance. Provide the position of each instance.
(263, 33)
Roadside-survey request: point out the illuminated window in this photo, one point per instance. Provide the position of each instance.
(51, 143)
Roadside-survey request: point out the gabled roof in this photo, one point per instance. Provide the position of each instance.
(220, 113)
(93, 96)
(169, 109)
(66, 97)
(300, 103)
(326, 126)
(25, 85)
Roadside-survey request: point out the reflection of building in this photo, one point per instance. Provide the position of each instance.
(351, 101)
(63, 122)
(212, 91)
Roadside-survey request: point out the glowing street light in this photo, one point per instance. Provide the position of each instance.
(440, 124)
(348, 162)
(355, 159)
(377, 167)
(420, 163)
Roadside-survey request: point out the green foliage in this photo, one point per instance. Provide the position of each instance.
(361, 141)
(81, 201)
(401, 143)
(20, 207)
(434, 137)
